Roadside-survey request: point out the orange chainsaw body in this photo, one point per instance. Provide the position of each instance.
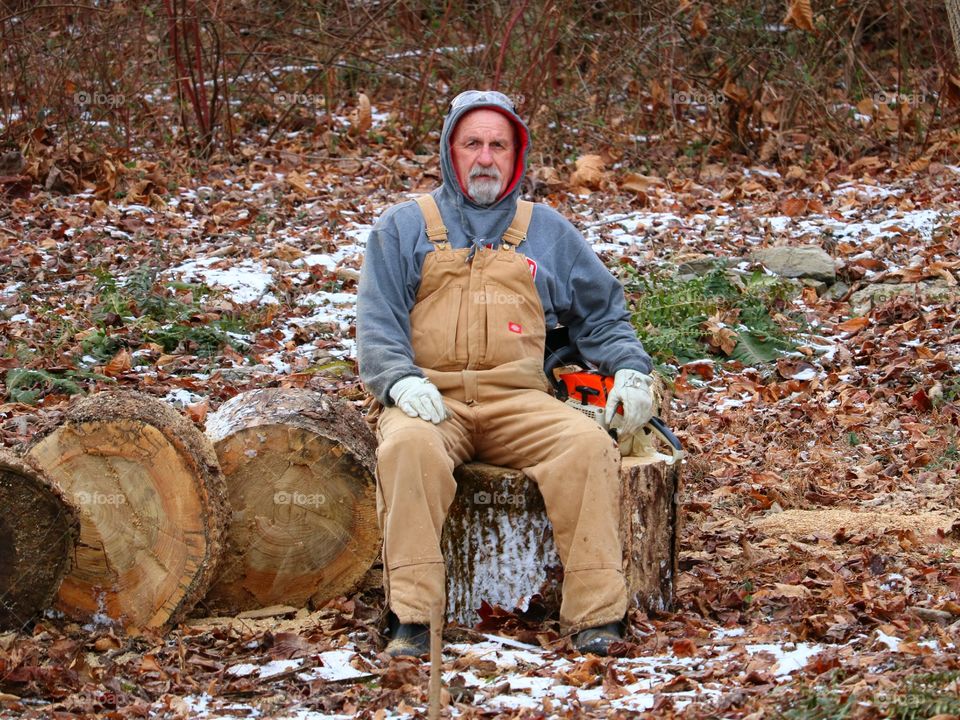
(587, 388)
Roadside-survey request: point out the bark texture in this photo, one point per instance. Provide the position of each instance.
(498, 543)
(39, 528)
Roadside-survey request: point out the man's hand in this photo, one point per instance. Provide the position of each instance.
(418, 397)
(632, 389)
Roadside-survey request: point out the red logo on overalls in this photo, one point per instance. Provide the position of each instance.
(532, 264)
(514, 327)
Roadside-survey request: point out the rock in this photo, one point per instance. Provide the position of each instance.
(837, 291)
(818, 286)
(700, 266)
(11, 163)
(936, 291)
(798, 262)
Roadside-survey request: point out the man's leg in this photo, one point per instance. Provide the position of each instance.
(577, 468)
(415, 486)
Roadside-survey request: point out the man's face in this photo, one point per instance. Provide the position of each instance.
(484, 154)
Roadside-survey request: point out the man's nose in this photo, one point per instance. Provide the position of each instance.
(486, 155)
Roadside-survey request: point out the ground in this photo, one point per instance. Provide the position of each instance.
(820, 552)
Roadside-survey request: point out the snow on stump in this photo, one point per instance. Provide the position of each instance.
(299, 469)
(152, 505)
(38, 530)
(498, 543)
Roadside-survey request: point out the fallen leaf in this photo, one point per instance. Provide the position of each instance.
(119, 364)
(800, 15)
(589, 172)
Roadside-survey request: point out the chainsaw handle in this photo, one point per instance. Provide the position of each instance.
(661, 428)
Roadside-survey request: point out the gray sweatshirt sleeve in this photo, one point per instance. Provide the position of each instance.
(386, 294)
(598, 320)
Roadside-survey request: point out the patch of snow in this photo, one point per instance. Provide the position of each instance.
(181, 397)
(722, 633)
(807, 374)
(245, 282)
(336, 666)
(893, 643)
(788, 661)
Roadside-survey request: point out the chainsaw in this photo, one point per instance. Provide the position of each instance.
(586, 391)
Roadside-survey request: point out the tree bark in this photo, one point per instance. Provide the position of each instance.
(498, 543)
(39, 528)
(152, 507)
(300, 476)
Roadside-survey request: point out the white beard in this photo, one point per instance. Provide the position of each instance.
(484, 191)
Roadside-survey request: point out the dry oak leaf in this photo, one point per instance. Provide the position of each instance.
(792, 207)
(853, 325)
(640, 183)
(781, 590)
(362, 118)
(119, 364)
(698, 26)
(800, 15)
(589, 172)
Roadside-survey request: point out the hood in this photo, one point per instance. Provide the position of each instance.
(451, 185)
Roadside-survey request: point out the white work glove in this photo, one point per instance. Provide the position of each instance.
(631, 388)
(418, 397)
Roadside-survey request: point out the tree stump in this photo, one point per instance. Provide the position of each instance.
(38, 530)
(299, 469)
(498, 543)
(152, 507)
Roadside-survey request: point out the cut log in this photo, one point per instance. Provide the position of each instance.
(498, 543)
(299, 467)
(152, 507)
(38, 530)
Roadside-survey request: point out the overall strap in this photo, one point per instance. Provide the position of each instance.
(517, 232)
(436, 231)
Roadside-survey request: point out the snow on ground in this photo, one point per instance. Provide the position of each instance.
(247, 281)
(252, 281)
(529, 677)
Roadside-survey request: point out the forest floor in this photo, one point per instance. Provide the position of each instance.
(820, 550)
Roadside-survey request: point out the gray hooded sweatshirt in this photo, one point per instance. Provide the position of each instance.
(575, 287)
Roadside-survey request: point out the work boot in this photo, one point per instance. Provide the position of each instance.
(597, 640)
(407, 639)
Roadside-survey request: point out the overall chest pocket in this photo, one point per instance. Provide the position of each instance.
(434, 323)
(514, 325)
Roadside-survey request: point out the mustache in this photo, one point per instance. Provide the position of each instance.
(478, 170)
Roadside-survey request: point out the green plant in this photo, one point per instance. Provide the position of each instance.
(815, 704)
(927, 695)
(172, 315)
(918, 697)
(948, 458)
(674, 316)
(28, 386)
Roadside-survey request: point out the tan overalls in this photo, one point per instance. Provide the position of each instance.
(478, 334)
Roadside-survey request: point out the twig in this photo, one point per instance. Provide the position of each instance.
(505, 42)
(436, 669)
(322, 68)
